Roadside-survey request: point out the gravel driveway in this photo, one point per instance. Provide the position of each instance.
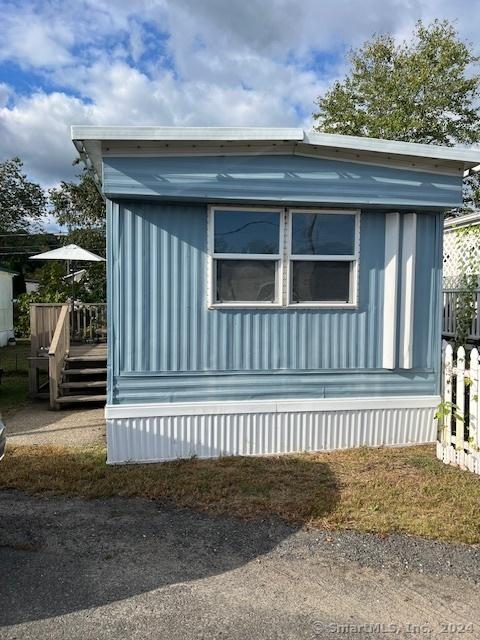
(128, 568)
(36, 424)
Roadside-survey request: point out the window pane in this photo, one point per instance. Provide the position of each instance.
(314, 281)
(246, 232)
(245, 280)
(323, 234)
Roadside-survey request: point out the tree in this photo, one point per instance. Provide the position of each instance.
(81, 208)
(471, 193)
(22, 202)
(425, 90)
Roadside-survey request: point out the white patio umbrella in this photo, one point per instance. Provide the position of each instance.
(70, 253)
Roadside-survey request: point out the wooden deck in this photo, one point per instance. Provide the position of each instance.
(87, 351)
(62, 344)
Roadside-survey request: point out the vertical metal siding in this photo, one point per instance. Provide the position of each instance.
(160, 326)
(163, 324)
(428, 297)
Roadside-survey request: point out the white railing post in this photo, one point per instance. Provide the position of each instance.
(474, 404)
(460, 400)
(447, 393)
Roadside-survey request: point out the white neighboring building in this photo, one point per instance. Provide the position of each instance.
(6, 305)
(460, 247)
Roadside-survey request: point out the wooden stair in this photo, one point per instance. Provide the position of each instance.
(84, 376)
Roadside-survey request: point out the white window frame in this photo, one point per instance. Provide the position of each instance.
(353, 259)
(283, 260)
(274, 257)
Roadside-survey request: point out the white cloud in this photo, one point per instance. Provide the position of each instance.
(255, 62)
(37, 129)
(33, 39)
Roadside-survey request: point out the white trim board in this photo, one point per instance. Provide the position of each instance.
(409, 243)
(267, 406)
(390, 286)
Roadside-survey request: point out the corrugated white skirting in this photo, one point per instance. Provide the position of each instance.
(168, 437)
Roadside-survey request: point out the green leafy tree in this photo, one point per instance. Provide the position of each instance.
(81, 208)
(425, 90)
(22, 202)
(53, 288)
(471, 193)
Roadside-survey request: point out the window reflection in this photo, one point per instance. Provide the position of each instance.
(246, 232)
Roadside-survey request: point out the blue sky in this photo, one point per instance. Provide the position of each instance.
(179, 62)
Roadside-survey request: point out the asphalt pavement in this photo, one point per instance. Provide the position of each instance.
(128, 568)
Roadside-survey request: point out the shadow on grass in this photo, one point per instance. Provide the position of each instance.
(61, 555)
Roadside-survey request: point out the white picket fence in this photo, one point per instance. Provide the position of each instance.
(459, 413)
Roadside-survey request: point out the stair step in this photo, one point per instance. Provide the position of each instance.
(92, 358)
(84, 384)
(70, 399)
(84, 372)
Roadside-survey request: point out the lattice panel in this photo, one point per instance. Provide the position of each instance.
(457, 252)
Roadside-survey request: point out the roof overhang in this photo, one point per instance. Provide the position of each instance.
(468, 219)
(9, 272)
(94, 142)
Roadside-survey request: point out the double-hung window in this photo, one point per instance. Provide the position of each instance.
(282, 257)
(323, 257)
(247, 245)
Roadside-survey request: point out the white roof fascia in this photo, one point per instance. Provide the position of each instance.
(394, 147)
(462, 221)
(187, 134)
(88, 141)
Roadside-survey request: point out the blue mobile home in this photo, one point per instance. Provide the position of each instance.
(270, 290)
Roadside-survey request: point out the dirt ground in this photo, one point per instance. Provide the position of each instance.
(36, 424)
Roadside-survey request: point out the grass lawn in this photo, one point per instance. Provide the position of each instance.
(376, 490)
(14, 385)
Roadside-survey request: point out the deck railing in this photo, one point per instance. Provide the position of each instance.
(56, 354)
(52, 328)
(451, 300)
(89, 321)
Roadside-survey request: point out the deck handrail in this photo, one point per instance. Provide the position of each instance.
(59, 348)
(43, 320)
